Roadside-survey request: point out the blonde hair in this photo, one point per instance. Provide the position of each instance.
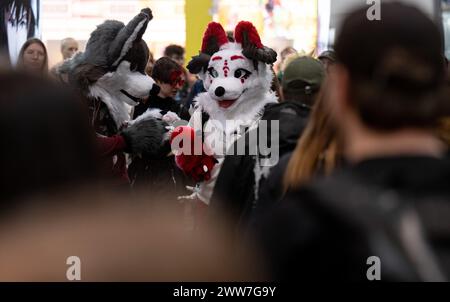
(443, 130)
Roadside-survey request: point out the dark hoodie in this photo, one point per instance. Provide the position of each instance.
(304, 238)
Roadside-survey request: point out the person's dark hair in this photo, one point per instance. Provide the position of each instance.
(47, 141)
(24, 48)
(396, 67)
(173, 49)
(164, 69)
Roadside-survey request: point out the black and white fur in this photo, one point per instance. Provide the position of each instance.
(112, 70)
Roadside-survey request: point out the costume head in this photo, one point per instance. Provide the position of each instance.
(236, 75)
(112, 68)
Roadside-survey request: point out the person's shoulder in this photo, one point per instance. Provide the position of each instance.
(278, 170)
(285, 109)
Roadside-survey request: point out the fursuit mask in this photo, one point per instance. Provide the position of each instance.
(233, 71)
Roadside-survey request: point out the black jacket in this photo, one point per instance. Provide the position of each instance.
(165, 105)
(234, 192)
(325, 232)
(159, 173)
(271, 189)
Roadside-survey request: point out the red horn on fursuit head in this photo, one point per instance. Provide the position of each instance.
(213, 38)
(245, 32)
(252, 48)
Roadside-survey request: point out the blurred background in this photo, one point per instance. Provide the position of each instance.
(52, 189)
(307, 25)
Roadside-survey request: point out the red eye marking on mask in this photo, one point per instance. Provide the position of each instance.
(242, 80)
(216, 58)
(236, 58)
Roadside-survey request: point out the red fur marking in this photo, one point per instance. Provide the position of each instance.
(236, 58)
(214, 29)
(242, 81)
(253, 36)
(216, 58)
(226, 69)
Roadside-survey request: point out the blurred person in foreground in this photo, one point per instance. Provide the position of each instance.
(49, 145)
(385, 100)
(118, 239)
(51, 206)
(443, 128)
(33, 58)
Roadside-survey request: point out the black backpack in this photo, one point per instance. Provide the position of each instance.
(409, 234)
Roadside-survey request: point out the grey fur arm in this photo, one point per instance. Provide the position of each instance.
(145, 137)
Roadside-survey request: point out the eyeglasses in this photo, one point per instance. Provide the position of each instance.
(178, 82)
(176, 78)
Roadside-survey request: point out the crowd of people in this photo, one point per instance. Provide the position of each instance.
(363, 169)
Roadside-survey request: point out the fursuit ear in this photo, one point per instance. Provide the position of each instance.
(213, 38)
(246, 34)
(131, 33)
(198, 63)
